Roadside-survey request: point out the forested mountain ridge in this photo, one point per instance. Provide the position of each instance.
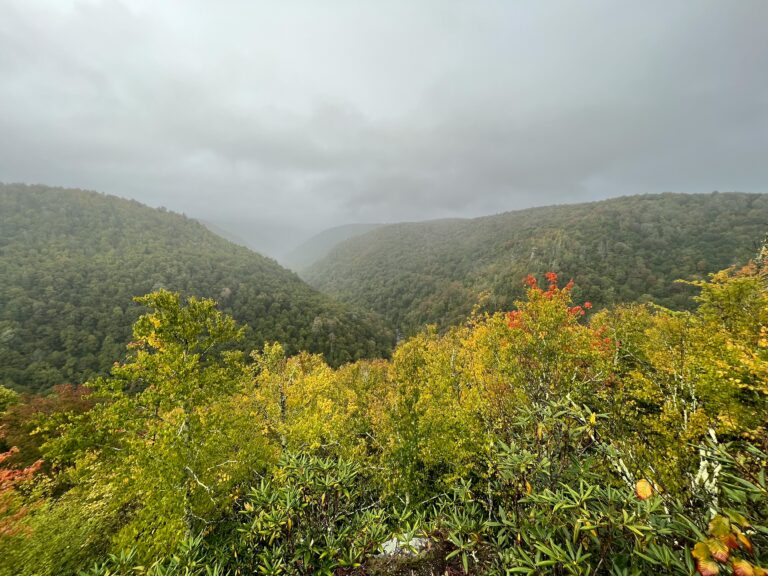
(618, 250)
(71, 261)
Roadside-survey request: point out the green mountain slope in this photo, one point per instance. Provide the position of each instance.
(630, 248)
(320, 245)
(71, 262)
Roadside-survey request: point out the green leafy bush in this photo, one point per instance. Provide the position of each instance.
(313, 515)
(594, 522)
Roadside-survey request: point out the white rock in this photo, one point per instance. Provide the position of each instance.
(397, 547)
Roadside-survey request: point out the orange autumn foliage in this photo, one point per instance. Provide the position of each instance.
(11, 511)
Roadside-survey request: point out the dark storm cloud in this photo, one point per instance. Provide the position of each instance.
(281, 118)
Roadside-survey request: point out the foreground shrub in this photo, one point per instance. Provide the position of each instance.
(533, 442)
(585, 525)
(312, 516)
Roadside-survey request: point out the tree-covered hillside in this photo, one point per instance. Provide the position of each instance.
(619, 250)
(537, 442)
(71, 261)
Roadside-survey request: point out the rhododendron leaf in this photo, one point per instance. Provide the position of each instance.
(701, 551)
(731, 541)
(707, 567)
(719, 550)
(719, 527)
(742, 568)
(737, 518)
(745, 543)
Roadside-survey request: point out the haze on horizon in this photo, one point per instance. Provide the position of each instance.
(277, 120)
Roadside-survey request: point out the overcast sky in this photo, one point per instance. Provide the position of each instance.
(284, 117)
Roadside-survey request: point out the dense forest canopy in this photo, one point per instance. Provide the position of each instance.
(71, 261)
(620, 250)
(537, 441)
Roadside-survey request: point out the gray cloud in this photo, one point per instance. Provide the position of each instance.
(278, 119)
